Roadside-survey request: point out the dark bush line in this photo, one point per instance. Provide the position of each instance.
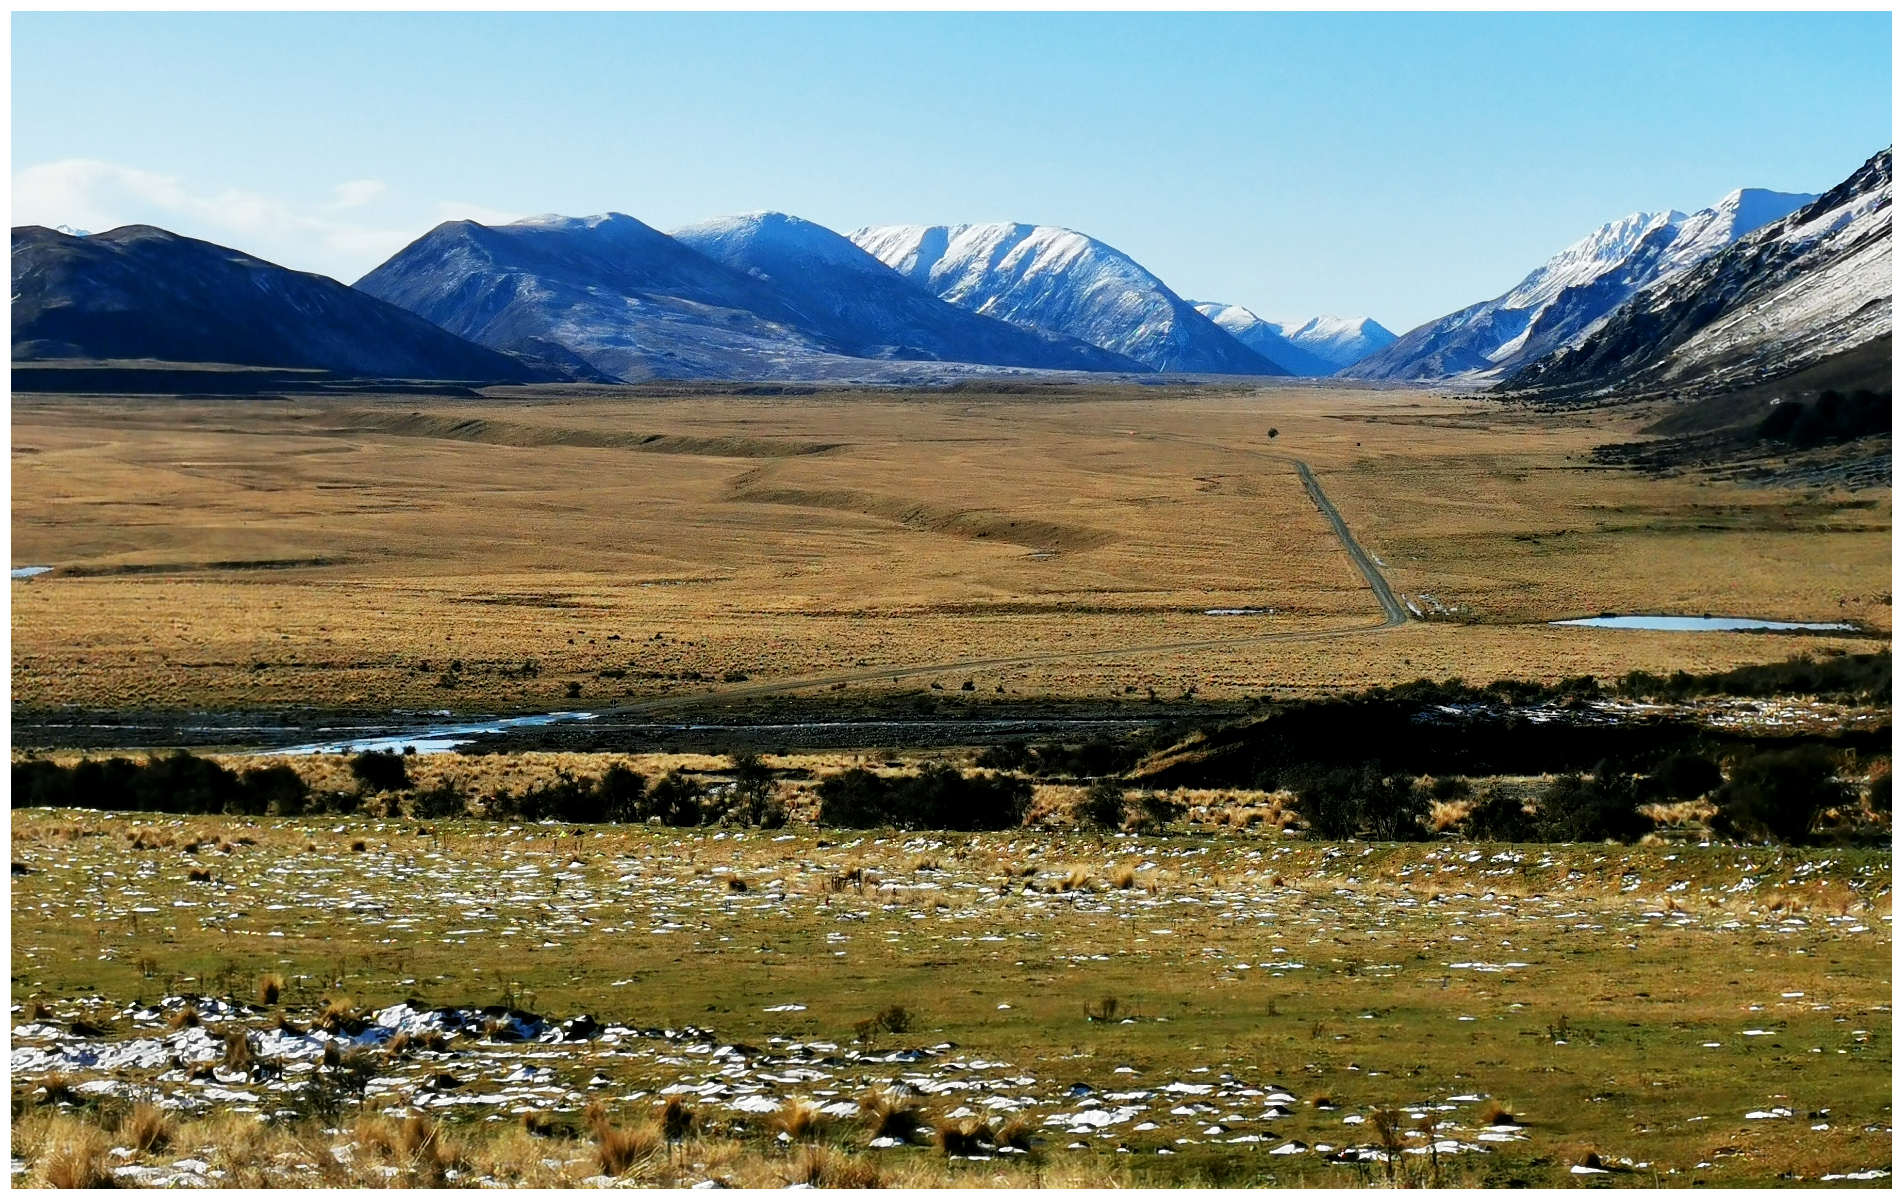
(1096, 759)
(1296, 740)
(1776, 795)
(177, 783)
(185, 784)
(1850, 677)
(939, 797)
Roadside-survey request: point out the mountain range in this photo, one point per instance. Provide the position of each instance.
(1319, 346)
(1760, 283)
(1569, 294)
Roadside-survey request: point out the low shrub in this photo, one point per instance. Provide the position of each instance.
(1103, 805)
(1603, 806)
(1498, 816)
(380, 771)
(1778, 795)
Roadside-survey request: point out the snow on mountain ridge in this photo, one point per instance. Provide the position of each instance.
(1062, 281)
(1571, 295)
(1815, 284)
(1342, 341)
(779, 234)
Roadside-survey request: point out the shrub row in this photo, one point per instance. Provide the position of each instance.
(939, 797)
(176, 783)
(1776, 795)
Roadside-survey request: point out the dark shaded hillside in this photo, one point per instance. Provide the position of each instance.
(139, 292)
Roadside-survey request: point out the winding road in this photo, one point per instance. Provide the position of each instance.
(1393, 616)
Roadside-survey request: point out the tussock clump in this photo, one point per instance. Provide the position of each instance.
(816, 1166)
(337, 1016)
(198, 875)
(801, 1121)
(184, 1018)
(1123, 877)
(147, 1128)
(270, 988)
(238, 1055)
(677, 1120)
(77, 1160)
(1077, 879)
(962, 1138)
(618, 1149)
(889, 1115)
(58, 1089)
(1015, 1133)
(1496, 1113)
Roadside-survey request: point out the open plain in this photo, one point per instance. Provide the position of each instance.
(532, 547)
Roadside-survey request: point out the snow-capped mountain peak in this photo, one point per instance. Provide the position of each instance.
(789, 239)
(1567, 297)
(1064, 282)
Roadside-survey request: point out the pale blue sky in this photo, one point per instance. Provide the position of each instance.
(1394, 166)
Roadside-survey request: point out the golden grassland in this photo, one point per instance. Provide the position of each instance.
(1601, 995)
(535, 546)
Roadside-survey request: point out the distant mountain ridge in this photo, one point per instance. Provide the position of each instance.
(140, 292)
(1066, 283)
(1567, 296)
(1316, 347)
(773, 297)
(1812, 286)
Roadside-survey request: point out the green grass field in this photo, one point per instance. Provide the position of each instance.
(1630, 1006)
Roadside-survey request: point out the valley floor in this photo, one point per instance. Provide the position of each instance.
(537, 548)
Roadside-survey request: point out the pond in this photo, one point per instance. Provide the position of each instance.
(1689, 624)
(29, 572)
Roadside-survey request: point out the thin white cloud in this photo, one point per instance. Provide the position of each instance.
(334, 238)
(357, 192)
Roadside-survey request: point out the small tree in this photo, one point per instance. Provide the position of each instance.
(755, 794)
(1103, 806)
(380, 771)
(676, 799)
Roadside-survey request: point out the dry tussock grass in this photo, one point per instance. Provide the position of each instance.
(75, 1157)
(1681, 815)
(555, 575)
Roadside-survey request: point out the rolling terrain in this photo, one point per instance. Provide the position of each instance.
(644, 547)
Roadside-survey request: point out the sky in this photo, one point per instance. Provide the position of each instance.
(1397, 166)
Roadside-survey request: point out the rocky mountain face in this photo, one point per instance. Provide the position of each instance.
(138, 292)
(772, 298)
(1063, 282)
(1812, 286)
(1568, 296)
(857, 302)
